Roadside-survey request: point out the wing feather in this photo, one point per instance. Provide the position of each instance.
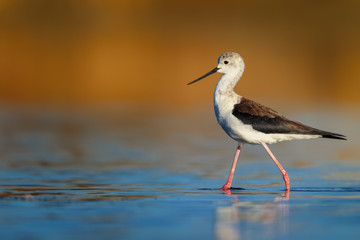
(267, 120)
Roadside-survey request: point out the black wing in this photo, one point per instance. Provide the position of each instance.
(267, 120)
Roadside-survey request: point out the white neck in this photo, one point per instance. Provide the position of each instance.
(224, 95)
(228, 81)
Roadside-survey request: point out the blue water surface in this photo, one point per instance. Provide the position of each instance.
(105, 176)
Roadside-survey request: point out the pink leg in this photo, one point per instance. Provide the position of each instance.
(282, 170)
(232, 170)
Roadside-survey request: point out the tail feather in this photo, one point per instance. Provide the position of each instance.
(334, 136)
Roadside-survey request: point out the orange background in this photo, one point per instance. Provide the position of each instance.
(91, 52)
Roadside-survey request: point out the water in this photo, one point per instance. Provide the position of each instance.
(106, 174)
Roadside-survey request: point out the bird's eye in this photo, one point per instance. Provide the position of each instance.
(226, 62)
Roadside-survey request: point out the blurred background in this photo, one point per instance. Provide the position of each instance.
(90, 52)
(94, 108)
(90, 81)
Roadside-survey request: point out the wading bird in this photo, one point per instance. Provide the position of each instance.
(246, 121)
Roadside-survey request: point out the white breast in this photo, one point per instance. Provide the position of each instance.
(224, 102)
(223, 106)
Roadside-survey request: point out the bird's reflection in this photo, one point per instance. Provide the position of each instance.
(243, 219)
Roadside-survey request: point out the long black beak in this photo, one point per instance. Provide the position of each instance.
(209, 73)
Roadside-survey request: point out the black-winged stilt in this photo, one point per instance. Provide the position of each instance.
(246, 121)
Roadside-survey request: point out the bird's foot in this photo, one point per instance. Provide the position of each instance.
(226, 186)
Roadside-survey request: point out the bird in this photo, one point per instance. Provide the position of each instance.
(249, 122)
